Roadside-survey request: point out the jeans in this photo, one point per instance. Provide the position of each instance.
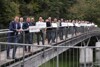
(15, 46)
(66, 32)
(53, 35)
(61, 33)
(10, 40)
(49, 35)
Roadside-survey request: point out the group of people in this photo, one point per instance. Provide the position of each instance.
(54, 28)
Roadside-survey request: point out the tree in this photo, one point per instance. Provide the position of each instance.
(7, 11)
(86, 10)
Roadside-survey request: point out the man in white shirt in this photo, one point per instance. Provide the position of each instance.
(61, 29)
(41, 33)
(54, 30)
(21, 28)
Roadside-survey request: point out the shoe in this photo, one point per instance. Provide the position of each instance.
(53, 42)
(25, 49)
(8, 57)
(14, 58)
(29, 50)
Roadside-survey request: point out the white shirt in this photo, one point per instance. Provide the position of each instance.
(21, 24)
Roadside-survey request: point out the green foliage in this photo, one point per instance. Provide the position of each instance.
(86, 10)
(69, 9)
(7, 11)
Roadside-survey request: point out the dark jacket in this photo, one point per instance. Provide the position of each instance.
(26, 25)
(13, 27)
(48, 24)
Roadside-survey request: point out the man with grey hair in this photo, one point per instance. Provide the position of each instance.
(14, 36)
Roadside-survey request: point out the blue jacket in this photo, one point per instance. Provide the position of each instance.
(12, 27)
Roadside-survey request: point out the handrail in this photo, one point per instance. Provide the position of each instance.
(21, 44)
(2, 31)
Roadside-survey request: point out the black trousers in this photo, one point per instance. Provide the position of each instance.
(61, 33)
(40, 35)
(49, 35)
(28, 40)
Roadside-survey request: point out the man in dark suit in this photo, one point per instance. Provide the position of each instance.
(14, 36)
(28, 35)
(62, 29)
(48, 30)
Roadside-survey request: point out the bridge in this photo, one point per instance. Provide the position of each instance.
(40, 54)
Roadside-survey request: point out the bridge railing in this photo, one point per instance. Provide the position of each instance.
(9, 44)
(61, 56)
(46, 36)
(49, 33)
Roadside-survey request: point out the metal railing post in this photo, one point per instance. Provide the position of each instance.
(66, 33)
(57, 59)
(84, 56)
(56, 35)
(23, 49)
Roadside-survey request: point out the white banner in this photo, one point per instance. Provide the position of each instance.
(64, 24)
(34, 29)
(41, 25)
(54, 24)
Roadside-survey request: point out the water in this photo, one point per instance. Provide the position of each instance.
(69, 58)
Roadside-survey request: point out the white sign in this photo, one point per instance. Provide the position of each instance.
(64, 24)
(54, 24)
(70, 24)
(41, 25)
(34, 29)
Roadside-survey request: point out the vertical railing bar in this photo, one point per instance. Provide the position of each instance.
(57, 59)
(66, 58)
(84, 57)
(73, 57)
(62, 60)
(23, 50)
(53, 62)
(0, 54)
(5, 54)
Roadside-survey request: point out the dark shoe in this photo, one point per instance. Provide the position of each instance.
(8, 57)
(53, 41)
(14, 58)
(25, 50)
(29, 50)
